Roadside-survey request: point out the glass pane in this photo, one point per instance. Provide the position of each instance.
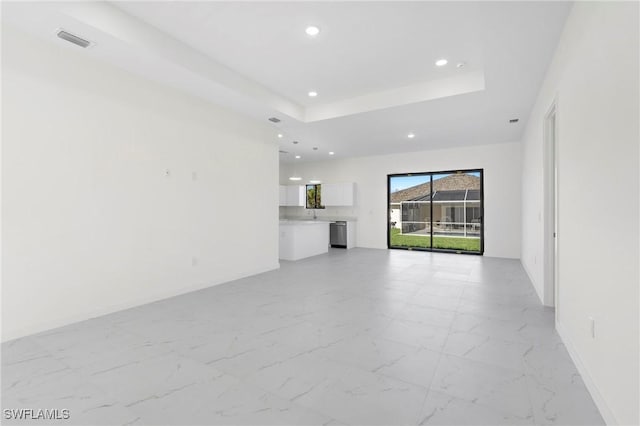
(311, 196)
(314, 197)
(457, 217)
(410, 211)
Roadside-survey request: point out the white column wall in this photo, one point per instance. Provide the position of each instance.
(594, 80)
(117, 191)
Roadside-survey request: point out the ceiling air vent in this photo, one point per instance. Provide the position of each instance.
(514, 120)
(274, 119)
(78, 41)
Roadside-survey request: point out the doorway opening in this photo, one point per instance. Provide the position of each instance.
(436, 211)
(551, 208)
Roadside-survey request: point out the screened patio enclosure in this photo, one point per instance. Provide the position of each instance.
(455, 213)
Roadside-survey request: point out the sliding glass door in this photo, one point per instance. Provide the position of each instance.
(410, 211)
(439, 211)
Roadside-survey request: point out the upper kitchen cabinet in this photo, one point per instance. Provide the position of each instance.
(338, 194)
(296, 195)
(292, 195)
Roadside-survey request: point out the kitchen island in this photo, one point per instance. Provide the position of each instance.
(303, 238)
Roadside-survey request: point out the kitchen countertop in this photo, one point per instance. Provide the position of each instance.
(291, 222)
(319, 219)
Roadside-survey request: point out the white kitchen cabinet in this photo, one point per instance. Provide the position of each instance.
(295, 195)
(292, 195)
(348, 194)
(303, 238)
(351, 234)
(338, 194)
(331, 194)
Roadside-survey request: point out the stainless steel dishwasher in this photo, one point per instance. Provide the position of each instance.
(338, 234)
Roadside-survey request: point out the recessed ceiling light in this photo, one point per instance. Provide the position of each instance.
(280, 135)
(315, 148)
(514, 120)
(295, 142)
(441, 62)
(313, 94)
(312, 31)
(315, 181)
(461, 64)
(274, 119)
(331, 152)
(411, 136)
(295, 178)
(297, 156)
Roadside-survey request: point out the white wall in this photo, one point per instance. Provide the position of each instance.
(501, 164)
(594, 77)
(91, 224)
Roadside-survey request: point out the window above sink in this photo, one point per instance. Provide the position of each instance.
(314, 196)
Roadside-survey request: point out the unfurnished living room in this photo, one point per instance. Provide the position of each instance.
(320, 213)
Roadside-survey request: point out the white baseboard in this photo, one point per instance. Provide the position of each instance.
(105, 310)
(600, 402)
(533, 282)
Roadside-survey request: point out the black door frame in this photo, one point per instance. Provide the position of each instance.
(430, 174)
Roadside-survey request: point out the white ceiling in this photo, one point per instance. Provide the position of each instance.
(362, 47)
(372, 64)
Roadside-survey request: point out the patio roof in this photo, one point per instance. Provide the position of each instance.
(448, 184)
(455, 195)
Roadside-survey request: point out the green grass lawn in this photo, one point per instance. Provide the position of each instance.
(453, 243)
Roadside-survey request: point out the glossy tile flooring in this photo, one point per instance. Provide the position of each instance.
(360, 337)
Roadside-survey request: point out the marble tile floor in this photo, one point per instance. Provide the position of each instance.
(357, 337)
